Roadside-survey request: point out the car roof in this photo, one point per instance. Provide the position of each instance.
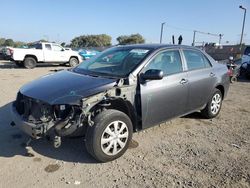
(155, 46)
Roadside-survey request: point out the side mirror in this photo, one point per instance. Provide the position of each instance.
(152, 74)
(62, 49)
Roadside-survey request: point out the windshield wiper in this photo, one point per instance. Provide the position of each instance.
(93, 74)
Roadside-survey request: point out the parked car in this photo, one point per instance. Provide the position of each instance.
(245, 69)
(86, 54)
(244, 62)
(107, 100)
(6, 52)
(44, 52)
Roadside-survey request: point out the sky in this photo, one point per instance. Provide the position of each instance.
(62, 20)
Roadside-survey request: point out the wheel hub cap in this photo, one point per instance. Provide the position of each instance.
(216, 103)
(114, 138)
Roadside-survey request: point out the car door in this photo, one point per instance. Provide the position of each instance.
(201, 78)
(59, 53)
(166, 98)
(48, 53)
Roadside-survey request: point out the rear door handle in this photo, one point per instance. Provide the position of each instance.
(212, 74)
(183, 81)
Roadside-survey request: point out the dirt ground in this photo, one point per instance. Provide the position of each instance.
(185, 152)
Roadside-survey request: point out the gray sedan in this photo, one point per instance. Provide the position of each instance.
(120, 91)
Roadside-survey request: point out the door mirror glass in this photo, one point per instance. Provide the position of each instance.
(152, 74)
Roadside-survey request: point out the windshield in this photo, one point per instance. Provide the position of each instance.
(115, 62)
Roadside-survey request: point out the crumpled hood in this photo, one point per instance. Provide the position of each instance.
(66, 87)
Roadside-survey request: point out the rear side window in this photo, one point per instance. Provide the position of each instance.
(195, 60)
(48, 46)
(37, 46)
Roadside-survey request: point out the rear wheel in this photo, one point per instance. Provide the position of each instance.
(233, 79)
(213, 106)
(109, 137)
(73, 62)
(29, 62)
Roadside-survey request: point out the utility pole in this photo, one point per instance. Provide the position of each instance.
(194, 38)
(162, 24)
(243, 25)
(220, 37)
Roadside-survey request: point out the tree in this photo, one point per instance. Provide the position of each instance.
(9, 42)
(130, 39)
(2, 41)
(19, 44)
(43, 40)
(91, 41)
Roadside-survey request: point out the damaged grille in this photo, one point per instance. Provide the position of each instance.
(33, 110)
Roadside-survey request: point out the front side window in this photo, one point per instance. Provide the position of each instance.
(116, 62)
(168, 61)
(195, 60)
(57, 47)
(47, 46)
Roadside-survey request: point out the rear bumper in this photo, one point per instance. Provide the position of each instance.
(33, 130)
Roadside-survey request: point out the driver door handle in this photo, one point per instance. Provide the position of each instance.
(183, 81)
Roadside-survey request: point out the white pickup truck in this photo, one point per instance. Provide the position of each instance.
(44, 52)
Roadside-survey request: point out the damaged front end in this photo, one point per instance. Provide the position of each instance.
(38, 119)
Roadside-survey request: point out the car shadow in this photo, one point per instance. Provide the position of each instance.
(13, 142)
(11, 65)
(194, 115)
(243, 79)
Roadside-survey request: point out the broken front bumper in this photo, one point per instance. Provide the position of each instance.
(33, 130)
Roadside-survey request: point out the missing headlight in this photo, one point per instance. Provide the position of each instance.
(63, 111)
(45, 113)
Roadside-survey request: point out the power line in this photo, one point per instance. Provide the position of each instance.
(179, 28)
(196, 31)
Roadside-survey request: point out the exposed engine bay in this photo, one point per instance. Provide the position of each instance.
(60, 120)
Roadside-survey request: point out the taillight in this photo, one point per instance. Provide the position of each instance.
(230, 72)
(11, 51)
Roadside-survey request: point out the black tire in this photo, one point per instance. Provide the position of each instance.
(207, 112)
(73, 62)
(19, 64)
(97, 133)
(30, 62)
(65, 64)
(233, 79)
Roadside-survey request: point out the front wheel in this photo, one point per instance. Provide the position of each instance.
(109, 137)
(213, 106)
(73, 62)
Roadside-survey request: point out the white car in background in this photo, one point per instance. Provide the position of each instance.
(44, 52)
